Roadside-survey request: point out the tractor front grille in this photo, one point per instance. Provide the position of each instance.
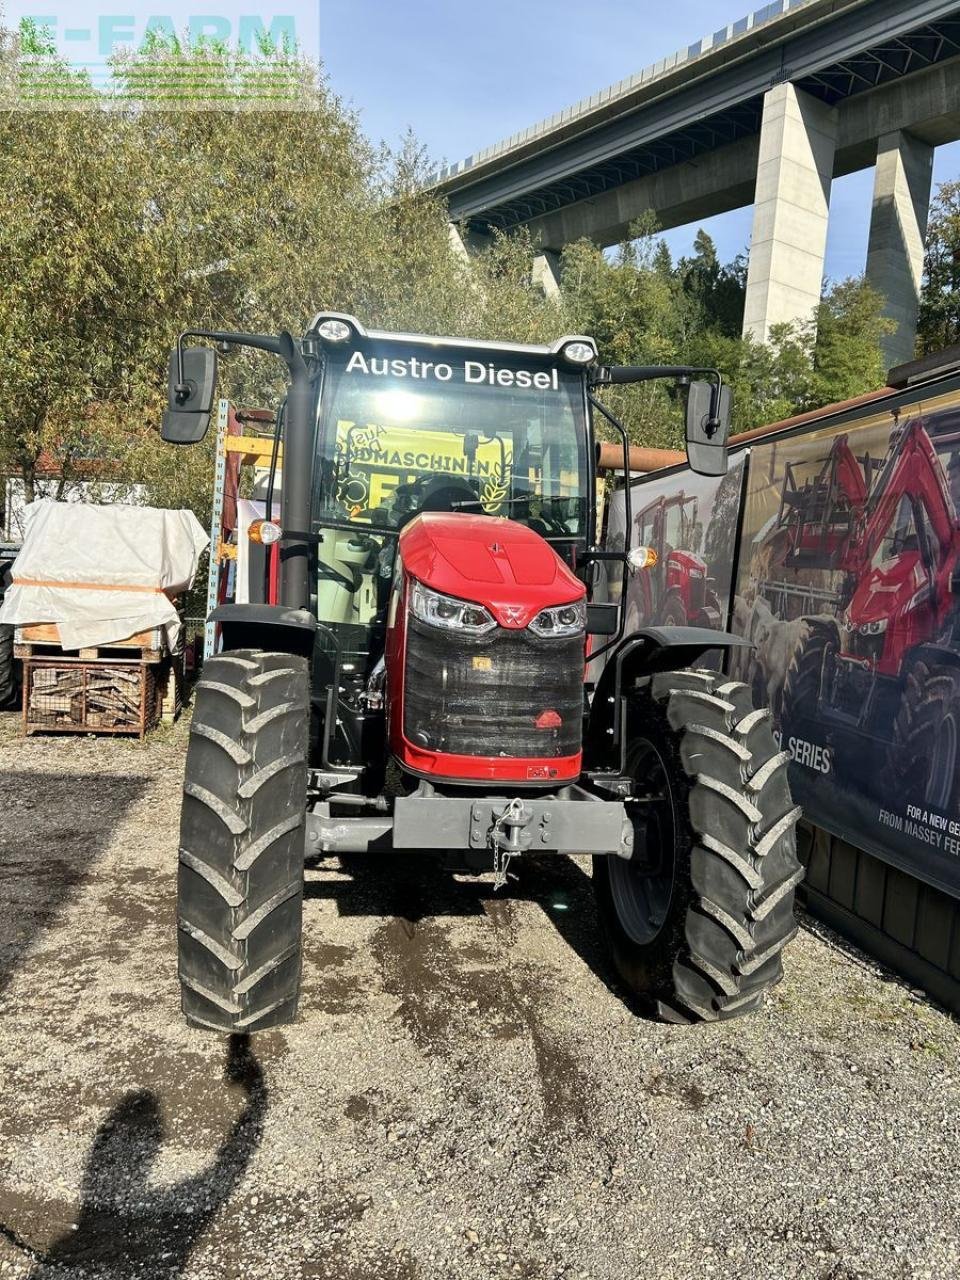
(485, 697)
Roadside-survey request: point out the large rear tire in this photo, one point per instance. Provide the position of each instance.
(697, 929)
(240, 887)
(923, 758)
(8, 674)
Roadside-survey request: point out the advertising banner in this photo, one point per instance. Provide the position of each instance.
(690, 521)
(849, 566)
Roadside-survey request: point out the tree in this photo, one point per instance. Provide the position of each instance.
(79, 265)
(939, 325)
(253, 204)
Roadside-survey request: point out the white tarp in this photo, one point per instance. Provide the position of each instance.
(102, 573)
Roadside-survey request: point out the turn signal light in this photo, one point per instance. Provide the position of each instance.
(641, 558)
(264, 533)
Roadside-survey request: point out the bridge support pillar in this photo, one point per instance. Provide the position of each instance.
(898, 226)
(546, 272)
(791, 210)
(467, 244)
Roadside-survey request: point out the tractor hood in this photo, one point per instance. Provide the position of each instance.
(689, 562)
(497, 563)
(884, 594)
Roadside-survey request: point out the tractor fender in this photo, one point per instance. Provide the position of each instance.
(645, 653)
(269, 627)
(932, 655)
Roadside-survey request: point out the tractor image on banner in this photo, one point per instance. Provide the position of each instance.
(690, 524)
(849, 569)
(406, 672)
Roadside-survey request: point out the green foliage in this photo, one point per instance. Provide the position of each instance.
(128, 222)
(940, 305)
(36, 41)
(643, 309)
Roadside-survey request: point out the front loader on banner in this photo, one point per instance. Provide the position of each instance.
(413, 679)
(887, 669)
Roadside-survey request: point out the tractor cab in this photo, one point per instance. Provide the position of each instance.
(677, 591)
(406, 428)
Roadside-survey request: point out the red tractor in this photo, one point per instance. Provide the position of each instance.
(888, 670)
(414, 677)
(675, 591)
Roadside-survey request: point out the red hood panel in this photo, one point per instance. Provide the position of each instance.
(885, 592)
(492, 562)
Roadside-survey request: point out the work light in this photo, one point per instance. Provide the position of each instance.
(335, 331)
(579, 353)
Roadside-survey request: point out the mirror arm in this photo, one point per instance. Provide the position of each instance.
(606, 375)
(282, 346)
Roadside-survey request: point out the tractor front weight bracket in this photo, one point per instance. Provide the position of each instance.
(571, 821)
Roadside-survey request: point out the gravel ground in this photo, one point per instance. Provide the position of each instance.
(465, 1095)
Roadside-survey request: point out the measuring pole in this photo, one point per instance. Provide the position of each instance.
(216, 527)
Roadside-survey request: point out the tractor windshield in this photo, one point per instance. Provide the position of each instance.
(493, 436)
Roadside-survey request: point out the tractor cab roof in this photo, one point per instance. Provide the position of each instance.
(354, 330)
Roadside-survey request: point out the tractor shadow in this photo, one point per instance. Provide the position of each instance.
(54, 829)
(127, 1227)
(419, 887)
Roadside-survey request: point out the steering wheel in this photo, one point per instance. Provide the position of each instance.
(546, 522)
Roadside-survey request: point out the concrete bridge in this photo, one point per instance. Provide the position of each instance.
(765, 111)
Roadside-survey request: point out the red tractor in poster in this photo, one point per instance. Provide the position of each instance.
(414, 680)
(887, 669)
(675, 591)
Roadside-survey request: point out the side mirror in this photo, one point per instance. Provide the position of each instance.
(190, 402)
(708, 428)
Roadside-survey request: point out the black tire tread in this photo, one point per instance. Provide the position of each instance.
(737, 867)
(240, 882)
(929, 693)
(8, 675)
(801, 687)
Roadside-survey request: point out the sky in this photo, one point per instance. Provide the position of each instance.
(465, 76)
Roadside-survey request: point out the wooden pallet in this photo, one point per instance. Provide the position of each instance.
(99, 653)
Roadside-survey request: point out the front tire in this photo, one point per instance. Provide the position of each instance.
(698, 931)
(240, 885)
(801, 688)
(673, 613)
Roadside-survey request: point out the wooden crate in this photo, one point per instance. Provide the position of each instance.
(73, 696)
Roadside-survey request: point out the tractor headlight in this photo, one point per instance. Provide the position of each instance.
(564, 620)
(874, 628)
(452, 615)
